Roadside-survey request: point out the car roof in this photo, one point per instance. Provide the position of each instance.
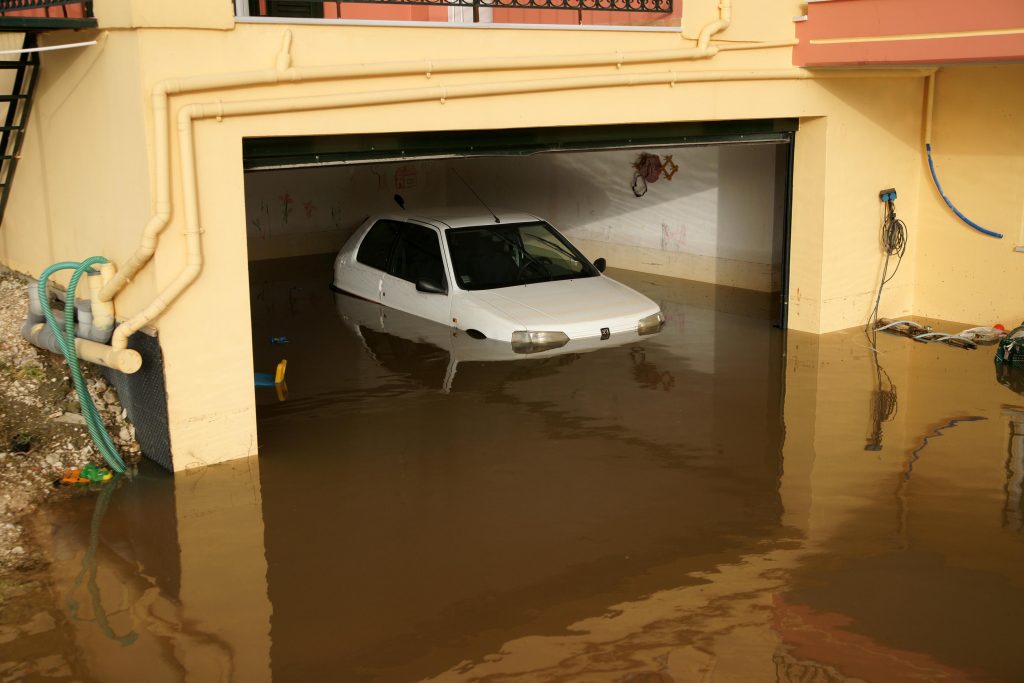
(446, 217)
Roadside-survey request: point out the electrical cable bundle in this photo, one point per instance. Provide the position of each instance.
(883, 400)
(883, 406)
(894, 243)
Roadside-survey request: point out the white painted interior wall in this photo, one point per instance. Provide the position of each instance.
(295, 212)
(712, 221)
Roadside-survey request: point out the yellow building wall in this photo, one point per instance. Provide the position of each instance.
(86, 185)
(978, 149)
(191, 14)
(83, 184)
(845, 499)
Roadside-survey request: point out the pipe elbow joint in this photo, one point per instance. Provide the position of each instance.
(119, 340)
(186, 114)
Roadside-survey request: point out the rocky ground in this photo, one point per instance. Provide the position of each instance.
(42, 432)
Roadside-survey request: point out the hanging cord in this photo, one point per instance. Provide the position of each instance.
(894, 243)
(884, 403)
(66, 339)
(884, 406)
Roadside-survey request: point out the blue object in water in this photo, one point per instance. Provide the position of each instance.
(264, 379)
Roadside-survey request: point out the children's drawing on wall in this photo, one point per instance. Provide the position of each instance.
(673, 237)
(337, 215)
(405, 177)
(650, 168)
(323, 206)
(382, 181)
(286, 206)
(260, 223)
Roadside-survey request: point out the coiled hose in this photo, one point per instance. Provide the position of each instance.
(66, 338)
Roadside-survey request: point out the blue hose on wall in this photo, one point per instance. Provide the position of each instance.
(965, 219)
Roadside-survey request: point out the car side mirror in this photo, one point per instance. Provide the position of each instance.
(429, 287)
(600, 264)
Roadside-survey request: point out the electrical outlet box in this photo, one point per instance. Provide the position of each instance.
(888, 195)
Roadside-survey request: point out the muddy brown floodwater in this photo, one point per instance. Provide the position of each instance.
(720, 501)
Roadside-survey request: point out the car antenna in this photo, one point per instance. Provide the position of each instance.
(470, 188)
(400, 200)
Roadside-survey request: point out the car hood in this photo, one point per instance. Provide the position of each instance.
(567, 302)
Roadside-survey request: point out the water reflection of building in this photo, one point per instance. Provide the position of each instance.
(582, 517)
(164, 579)
(539, 491)
(1013, 512)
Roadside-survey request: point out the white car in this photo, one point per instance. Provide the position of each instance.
(507, 276)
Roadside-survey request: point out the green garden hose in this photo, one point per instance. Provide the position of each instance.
(66, 338)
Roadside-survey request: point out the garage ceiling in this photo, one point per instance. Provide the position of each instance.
(329, 150)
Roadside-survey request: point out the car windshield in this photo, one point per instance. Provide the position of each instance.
(493, 256)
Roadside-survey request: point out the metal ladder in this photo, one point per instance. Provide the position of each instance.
(19, 105)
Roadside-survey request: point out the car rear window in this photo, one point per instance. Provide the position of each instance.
(376, 248)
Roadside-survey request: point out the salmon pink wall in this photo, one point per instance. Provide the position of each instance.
(852, 32)
(349, 9)
(72, 11)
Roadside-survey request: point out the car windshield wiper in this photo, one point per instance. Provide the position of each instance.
(557, 247)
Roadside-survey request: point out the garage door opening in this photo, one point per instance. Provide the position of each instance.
(706, 204)
(701, 202)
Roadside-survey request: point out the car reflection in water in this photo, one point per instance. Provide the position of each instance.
(430, 353)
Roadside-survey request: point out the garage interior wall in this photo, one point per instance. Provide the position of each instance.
(714, 220)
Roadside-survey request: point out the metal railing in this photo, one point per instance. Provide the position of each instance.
(83, 8)
(315, 8)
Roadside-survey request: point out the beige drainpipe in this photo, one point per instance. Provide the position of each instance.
(929, 107)
(220, 110)
(285, 73)
(715, 27)
(123, 359)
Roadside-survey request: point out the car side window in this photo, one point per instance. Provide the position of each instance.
(379, 244)
(418, 256)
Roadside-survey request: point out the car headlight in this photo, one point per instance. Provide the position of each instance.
(532, 342)
(650, 324)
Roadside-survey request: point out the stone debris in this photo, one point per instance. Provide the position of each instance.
(42, 431)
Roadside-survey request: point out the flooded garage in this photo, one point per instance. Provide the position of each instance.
(715, 501)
